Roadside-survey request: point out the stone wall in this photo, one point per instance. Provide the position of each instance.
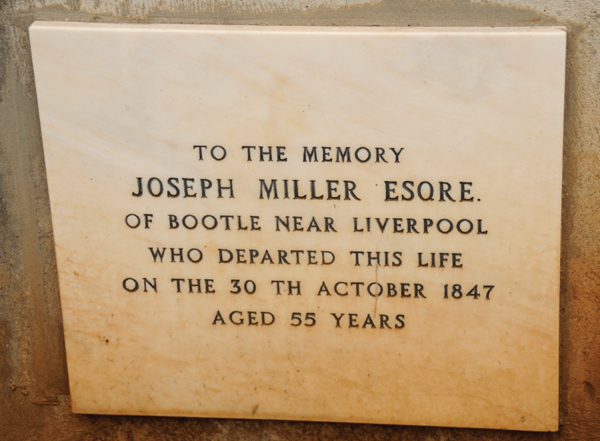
(34, 394)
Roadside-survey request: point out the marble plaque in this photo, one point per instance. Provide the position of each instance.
(307, 223)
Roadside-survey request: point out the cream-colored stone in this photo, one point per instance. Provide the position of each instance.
(478, 106)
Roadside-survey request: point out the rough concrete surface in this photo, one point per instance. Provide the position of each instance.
(34, 395)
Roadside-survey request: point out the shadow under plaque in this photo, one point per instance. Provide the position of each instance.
(323, 224)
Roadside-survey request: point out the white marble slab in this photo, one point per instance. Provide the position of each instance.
(472, 116)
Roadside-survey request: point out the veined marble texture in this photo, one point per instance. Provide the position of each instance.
(324, 224)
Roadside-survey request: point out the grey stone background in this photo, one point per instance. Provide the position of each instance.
(34, 393)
